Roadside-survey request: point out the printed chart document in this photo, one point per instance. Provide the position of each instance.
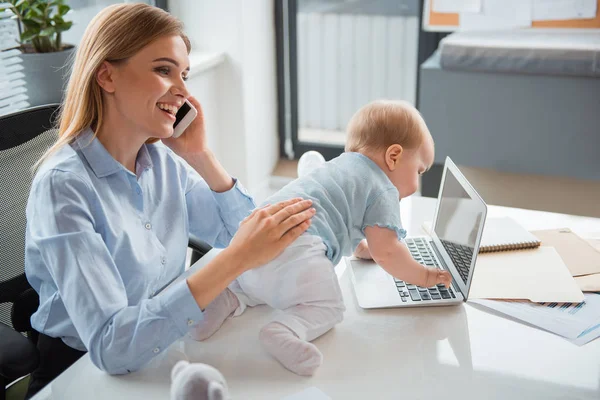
(578, 322)
(547, 10)
(539, 275)
(456, 6)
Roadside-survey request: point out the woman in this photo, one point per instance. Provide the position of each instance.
(111, 207)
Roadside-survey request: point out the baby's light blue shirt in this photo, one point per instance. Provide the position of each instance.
(101, 241)
(349, 193)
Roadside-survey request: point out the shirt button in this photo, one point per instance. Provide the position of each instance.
(190, 322)
(156, 350)
(148, 225)
(138, 190)
(163, 260)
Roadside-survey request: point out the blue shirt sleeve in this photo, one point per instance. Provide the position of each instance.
(119, 337)
(215, 217)
(384, 211)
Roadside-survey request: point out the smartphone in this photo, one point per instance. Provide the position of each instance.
(184, 117)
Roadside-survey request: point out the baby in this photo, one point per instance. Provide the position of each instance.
(356, 196)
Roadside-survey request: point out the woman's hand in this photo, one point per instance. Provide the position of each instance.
(265, 233)
(192, 147)
(193, 138)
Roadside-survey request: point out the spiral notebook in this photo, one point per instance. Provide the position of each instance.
(502, 234)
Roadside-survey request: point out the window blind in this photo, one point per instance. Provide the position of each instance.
(13, 94)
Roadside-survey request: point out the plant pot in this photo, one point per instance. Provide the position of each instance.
(46, 75)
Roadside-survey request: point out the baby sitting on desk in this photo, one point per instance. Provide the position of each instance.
(356, 195)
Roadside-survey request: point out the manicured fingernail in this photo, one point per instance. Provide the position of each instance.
(313, 210)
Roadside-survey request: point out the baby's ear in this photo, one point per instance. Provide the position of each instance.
(180, 366)
(393, 155)
(216, 391)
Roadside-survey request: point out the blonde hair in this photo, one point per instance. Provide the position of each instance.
(115, 34)
(383, 123)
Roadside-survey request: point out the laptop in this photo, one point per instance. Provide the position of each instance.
(453, 246)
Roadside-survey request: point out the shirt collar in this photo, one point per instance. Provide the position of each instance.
(143, 160)
(100, 160)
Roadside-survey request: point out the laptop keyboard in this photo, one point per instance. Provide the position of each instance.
(422, 253)
(461, 257)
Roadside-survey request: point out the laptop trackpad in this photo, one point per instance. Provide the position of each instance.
(373, 286)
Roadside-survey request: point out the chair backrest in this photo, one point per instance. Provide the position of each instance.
(24, 137)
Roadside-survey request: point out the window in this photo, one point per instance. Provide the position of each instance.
(334, 57)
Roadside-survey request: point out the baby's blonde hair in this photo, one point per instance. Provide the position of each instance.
(383, 123)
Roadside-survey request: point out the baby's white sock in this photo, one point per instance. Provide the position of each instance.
(309, 161)
(299, 356)
(215, 314)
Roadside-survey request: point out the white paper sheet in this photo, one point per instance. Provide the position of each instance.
(547, 10)
(576, 322)
(588, 335)
(498, 15)
(456, 6)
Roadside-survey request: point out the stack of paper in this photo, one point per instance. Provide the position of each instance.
(579, 323)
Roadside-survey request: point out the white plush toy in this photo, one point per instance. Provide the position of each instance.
(198, 382)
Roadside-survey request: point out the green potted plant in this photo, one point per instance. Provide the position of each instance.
(40, 25)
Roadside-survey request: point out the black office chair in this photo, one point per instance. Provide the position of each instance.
(24, 137)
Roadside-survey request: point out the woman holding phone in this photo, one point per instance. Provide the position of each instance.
(115, 199)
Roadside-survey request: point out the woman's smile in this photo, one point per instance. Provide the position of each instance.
(168, 110)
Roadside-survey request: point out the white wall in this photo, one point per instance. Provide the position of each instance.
(241, 107)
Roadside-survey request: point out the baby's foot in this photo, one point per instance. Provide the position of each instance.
(215, 314)
(299, 356)
(309, 161)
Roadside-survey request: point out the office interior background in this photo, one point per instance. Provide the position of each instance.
(279, 78)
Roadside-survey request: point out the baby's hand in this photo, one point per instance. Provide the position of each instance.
(436, 276)
(362, 251)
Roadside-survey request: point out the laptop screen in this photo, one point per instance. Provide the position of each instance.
(457, 224)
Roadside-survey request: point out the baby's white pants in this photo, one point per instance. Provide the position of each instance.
(301, 283)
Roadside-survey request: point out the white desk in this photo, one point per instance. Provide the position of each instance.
(459, 352)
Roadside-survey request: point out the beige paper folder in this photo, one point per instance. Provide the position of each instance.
(539, 275)
(578, 254)
(588, 283)
(595, 243)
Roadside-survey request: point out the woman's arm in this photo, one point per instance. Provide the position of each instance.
(68, 259)
(207, 165)
(216, 203)
(393, 256)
